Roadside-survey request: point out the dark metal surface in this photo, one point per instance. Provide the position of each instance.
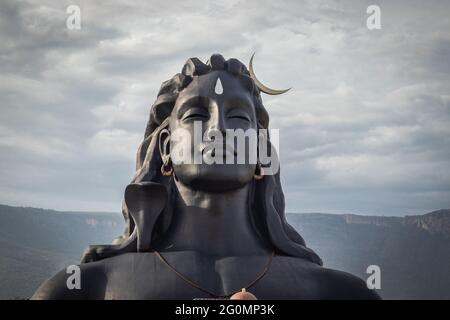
(215, 223)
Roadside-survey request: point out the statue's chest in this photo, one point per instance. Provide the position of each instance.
(191, 276)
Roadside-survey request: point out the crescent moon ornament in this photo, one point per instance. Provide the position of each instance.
(258, 83)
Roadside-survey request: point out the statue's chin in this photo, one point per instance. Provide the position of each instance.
(215, 178)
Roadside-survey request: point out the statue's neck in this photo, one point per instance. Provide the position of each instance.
(212, 223)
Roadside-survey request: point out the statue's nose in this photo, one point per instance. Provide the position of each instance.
(218, 122)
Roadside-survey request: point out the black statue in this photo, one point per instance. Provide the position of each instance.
(204, 230)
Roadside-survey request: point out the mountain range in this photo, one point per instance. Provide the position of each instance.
(412, 251)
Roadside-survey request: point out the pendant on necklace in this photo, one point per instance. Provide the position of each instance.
(243, 295)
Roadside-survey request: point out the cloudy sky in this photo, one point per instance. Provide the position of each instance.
(365, 129)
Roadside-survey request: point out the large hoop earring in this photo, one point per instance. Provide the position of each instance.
(167, 172)
(259, 172)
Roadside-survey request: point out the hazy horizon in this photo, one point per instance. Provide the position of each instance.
(119, 213)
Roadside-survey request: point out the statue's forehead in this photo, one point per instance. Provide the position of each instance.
(232, 95)
(205, 85)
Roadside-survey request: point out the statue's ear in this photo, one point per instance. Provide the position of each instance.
(164, 145)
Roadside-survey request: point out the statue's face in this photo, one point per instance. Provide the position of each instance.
(216, 111)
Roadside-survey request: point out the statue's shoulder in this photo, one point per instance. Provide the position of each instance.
(63, 285)
(94, 276)
(335, 284)
(318, 282)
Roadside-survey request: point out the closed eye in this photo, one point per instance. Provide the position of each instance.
(241, 115)
(196, 113)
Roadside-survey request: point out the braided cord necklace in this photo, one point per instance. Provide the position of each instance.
(241, 294)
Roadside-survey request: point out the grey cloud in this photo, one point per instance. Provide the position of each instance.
(364, 129)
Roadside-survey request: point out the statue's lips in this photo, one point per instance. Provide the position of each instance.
(211, 151)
